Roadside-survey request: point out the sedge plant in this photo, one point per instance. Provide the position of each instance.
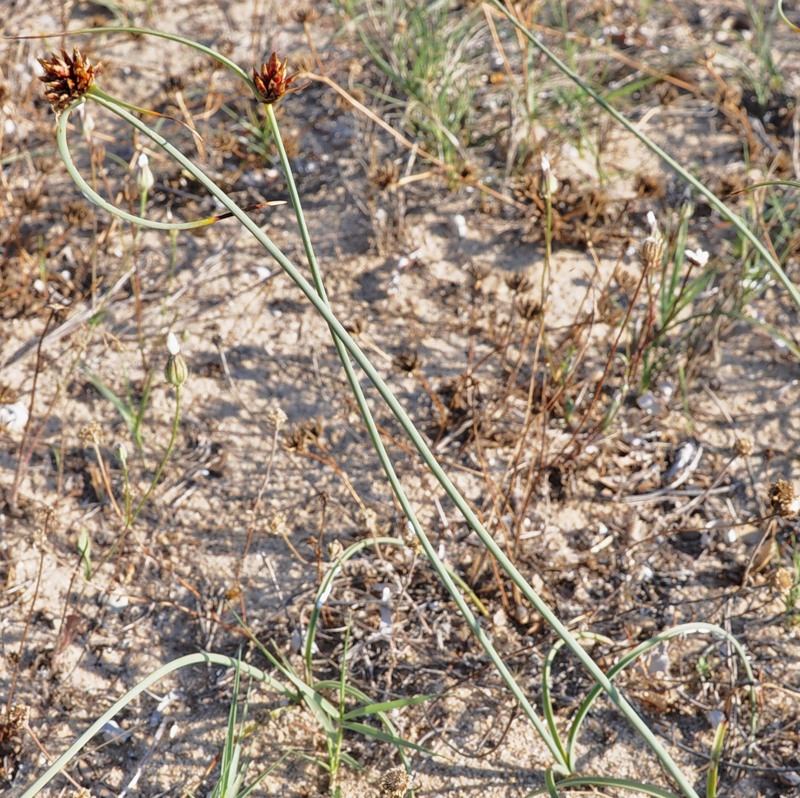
(339, 707)
(71, 83)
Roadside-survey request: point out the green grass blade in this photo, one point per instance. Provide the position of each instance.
(377, 734)
(107, 393)
(201, 658)
(387, 706)
(638, 787)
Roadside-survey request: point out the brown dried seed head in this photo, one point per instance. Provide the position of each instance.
(407, 362)
(518, 282)
(7, 394)
(91, 434)
(783, 580)
(305, 16)
(477, 272)
(783, 498)
(652, 251)
(395, 783)
(277, 524)
(385, 175)
(529, 309)
(744, 446)
(67, 78)
(277, 417)
(13, 720)
(301, 437)
(272, 82)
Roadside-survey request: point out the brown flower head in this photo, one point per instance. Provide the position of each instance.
(272, 82)
(518, 282)
(528, 308)
(305, 16)
(395, 783)
(407, 362)
(744, 446)
(783, 498)
(67, 78)
(652, 249)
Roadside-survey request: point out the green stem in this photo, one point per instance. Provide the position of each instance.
(698, 627)
(325, 588)
(170, 667)
(164, 460)
(344, 337)
(372, 430)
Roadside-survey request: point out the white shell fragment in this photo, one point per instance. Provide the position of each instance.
(649, 403)
(459, 225)
(13, 417)
(686, 461)
(114, 733)
(385, 627)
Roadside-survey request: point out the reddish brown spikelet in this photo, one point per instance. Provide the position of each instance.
(67, 78)
(272, 82)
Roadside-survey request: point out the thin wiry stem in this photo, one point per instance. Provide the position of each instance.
(350, 346)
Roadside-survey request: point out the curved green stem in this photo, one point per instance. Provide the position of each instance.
(635, 653)
(353, 349)
(173, 37)
(164, 460)
(170, 667)
(640, 788)
(442, 571)
(349, 344)
(327, 583)
(547, 702)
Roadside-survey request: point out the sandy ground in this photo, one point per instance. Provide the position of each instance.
(248, 515)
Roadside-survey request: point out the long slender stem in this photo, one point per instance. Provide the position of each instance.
(182, 662)
(386, 463)
(176, 418)
(337, 328)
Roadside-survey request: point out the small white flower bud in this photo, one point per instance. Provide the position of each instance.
(144, 175)
(549, 182)
(173, 347)
(176, 370)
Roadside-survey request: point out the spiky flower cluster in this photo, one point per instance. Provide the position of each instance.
(67, 78)
(395, 783)
(783, 498)
(272, 82)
